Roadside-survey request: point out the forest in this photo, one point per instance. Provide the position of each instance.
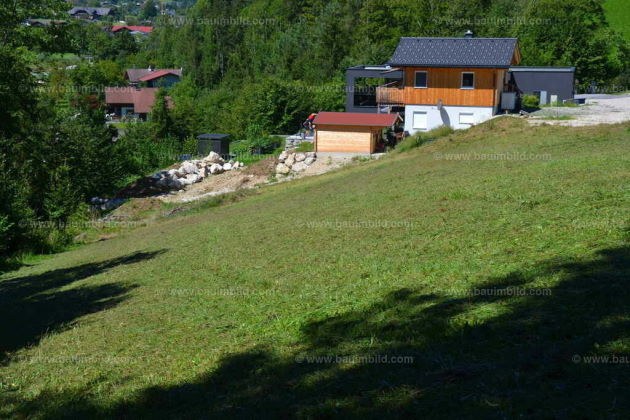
(251, 69)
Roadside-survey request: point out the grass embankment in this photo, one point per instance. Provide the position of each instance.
(496, 260)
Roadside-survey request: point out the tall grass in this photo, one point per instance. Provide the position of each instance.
(420, 138)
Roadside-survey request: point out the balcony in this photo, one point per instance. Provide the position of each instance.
(390, 94)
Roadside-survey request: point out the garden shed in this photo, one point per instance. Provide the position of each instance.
(350, 132)
(218, 143)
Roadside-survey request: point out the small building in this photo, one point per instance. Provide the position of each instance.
(549, 84)
(351, 132)
(218, 143)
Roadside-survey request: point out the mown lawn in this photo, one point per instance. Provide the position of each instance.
(495, 279)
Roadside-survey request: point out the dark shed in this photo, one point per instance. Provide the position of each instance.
(556, 81)
(218, 143)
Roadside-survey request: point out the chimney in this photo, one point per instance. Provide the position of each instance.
(468, 34)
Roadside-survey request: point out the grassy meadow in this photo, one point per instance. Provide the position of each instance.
(475, 276)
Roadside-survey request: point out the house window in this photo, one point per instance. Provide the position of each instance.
(468, 80)
(466, 118)
(420, 120)
(421, 79)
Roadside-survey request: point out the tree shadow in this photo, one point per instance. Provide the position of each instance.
(495, 354)
(32, 306)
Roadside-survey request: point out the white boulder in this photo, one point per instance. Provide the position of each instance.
(188, 168)
(282, 169)
(309, 160)
(215, 168)
(290, 160)
(213, 157)
(282, 157)
(227, 166)
(299, 167)
(299, 157)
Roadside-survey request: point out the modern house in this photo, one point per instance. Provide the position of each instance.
(347, 132)
(133, 30)
(94, 13)
(153, 77)
(131, 102)
(457, 82)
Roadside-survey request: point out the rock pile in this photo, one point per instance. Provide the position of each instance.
(294, 162)
(192, 171)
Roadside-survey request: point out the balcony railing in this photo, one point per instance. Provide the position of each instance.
(391, 93)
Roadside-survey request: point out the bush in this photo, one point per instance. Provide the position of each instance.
(142, 153)
(420, 138)
(530, 101)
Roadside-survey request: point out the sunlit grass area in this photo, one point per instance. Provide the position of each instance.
(470, 277)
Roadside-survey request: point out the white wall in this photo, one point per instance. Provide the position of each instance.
(448, 115)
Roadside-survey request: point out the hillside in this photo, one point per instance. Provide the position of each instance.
(618, 14)
(498, 278)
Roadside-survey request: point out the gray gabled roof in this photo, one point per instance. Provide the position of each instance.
(101, 11)
(454, 52)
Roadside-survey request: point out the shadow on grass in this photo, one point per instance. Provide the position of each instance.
(32, 306)
(492, 355)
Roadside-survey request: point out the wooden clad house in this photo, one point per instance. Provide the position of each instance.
(348, 132)
(448, 81)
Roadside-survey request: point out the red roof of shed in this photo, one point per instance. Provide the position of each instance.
(355, 118)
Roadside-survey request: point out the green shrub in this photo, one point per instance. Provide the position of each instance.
(190, 145)
(420, 138)
(530, 101)
(142, 153)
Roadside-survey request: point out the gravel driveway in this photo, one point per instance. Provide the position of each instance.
(599, 109)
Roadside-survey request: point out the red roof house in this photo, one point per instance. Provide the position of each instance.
(130, 100)
(133, 29)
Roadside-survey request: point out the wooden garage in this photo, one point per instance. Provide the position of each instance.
(350, 132)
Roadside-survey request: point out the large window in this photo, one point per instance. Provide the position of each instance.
(420, 120)
(468, 80)
(421, 79)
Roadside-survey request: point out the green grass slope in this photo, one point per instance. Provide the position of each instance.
(474, 277)
(618, 15)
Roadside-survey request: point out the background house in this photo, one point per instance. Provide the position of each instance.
(133, 30)
(93, 13)
(131, 102)
(153, 77)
